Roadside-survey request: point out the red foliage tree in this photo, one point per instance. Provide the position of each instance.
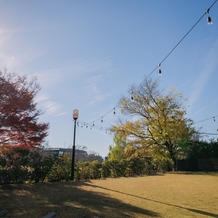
(19, 125)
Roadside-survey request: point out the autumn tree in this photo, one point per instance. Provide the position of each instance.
(19, 116)
(116, 152)
(158, 124)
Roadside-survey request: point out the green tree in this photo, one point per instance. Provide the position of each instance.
(158, 121)
(116, 152)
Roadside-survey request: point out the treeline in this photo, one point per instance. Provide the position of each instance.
(114, 168)
(22, 166)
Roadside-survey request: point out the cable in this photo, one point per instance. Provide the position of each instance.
(205, 133)
(100, 118)
(213, 117)
(180, 41)
(163, 60)
(89, 126)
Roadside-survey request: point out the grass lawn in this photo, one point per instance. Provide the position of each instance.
(169, 195)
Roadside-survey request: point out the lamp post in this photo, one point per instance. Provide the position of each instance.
(75, 117)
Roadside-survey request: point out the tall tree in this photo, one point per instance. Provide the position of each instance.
(116, 152)
(19, 125)
(159, 122)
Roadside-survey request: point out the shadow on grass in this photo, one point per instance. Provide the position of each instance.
(156, 201)
(66, 199)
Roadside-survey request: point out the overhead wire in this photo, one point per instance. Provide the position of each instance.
(164, 59)
(206, 119)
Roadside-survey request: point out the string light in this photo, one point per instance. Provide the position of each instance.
(209, 21)
(132, 98)
(99, 128)
(159, 70)
(214, 119)
(209, 118)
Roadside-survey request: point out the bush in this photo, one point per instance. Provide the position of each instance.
(88, 170)
(17, 166)
(105, 169)
(40, 166)
(126, 167)
(14, 167)
(60, 169)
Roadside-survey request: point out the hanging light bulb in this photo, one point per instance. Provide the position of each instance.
(132, 98)
(93, 124)
(214, 119)
(114, 111)
(159, 69)
(209, 20)
(102, 119)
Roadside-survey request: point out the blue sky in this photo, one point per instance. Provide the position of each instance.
(87, 53)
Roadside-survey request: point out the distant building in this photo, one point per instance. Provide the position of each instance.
(57, 152)
(80, 155)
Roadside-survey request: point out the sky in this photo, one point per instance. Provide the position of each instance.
(86, 55)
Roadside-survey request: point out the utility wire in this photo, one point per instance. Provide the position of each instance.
(210, 118)
(205, 133)
(180, 41)
(164, 59)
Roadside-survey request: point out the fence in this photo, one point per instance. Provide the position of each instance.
(200, 164)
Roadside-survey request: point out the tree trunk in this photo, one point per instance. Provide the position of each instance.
(174, 164)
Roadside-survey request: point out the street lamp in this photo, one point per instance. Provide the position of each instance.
(75, 117)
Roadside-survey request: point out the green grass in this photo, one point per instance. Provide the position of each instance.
(169, 195)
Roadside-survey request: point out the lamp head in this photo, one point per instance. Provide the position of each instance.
(75, 114)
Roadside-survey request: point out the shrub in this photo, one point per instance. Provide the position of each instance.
(14, 167)
(61, 169)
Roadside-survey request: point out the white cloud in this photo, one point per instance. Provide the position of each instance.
(209, 65)
(71, 70)
(95, 93)
(19, 53)
(49, 107)
(205, 107)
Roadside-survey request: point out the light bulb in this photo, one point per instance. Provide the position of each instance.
(209, 20)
